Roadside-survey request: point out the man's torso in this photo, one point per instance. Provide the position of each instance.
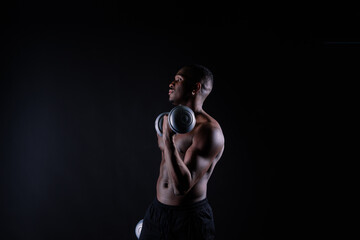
(182, 142)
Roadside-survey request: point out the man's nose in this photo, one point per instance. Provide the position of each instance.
(171, 85)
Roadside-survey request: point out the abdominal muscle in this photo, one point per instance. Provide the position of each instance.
(165, 191)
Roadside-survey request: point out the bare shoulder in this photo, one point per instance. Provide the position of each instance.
(209, 124)
(209, 135)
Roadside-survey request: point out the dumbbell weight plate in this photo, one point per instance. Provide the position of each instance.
(138, 228)
(181, 119)
(159, 123)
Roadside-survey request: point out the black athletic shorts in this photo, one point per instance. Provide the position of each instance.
(190, 222)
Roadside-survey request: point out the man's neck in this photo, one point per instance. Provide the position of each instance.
(196, 106)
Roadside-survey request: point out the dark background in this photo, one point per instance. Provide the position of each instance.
(82, 83)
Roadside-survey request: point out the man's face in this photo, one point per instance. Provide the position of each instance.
(179, 89)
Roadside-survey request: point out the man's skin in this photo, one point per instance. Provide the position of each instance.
(188, 160)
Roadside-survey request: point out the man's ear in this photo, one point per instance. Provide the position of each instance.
(197, 87)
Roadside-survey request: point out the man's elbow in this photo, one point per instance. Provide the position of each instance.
(181, 190)
(178, 193)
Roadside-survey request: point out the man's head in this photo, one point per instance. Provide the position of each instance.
(192, 82)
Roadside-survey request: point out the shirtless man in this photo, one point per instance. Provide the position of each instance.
(181, 209)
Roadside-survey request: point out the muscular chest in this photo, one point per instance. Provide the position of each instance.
(183, 142)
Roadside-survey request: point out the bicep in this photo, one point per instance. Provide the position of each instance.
(203, 151)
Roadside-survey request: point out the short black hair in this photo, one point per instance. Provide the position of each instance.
(202, 74)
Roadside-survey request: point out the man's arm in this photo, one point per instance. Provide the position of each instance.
(184, 173)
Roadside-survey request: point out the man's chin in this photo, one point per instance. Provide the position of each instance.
(173, 102)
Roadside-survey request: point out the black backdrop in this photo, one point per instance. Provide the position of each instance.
(81, 86)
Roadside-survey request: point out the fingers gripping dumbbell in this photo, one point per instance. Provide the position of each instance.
(181, 119)
(159, 122)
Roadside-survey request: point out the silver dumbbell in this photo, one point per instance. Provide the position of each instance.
(138, 228)
(181, 119)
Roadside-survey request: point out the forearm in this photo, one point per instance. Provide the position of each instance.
(178, 172)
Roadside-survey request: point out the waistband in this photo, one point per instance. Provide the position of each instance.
(190, 206)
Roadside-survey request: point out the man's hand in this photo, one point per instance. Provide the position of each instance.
(167, 132)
